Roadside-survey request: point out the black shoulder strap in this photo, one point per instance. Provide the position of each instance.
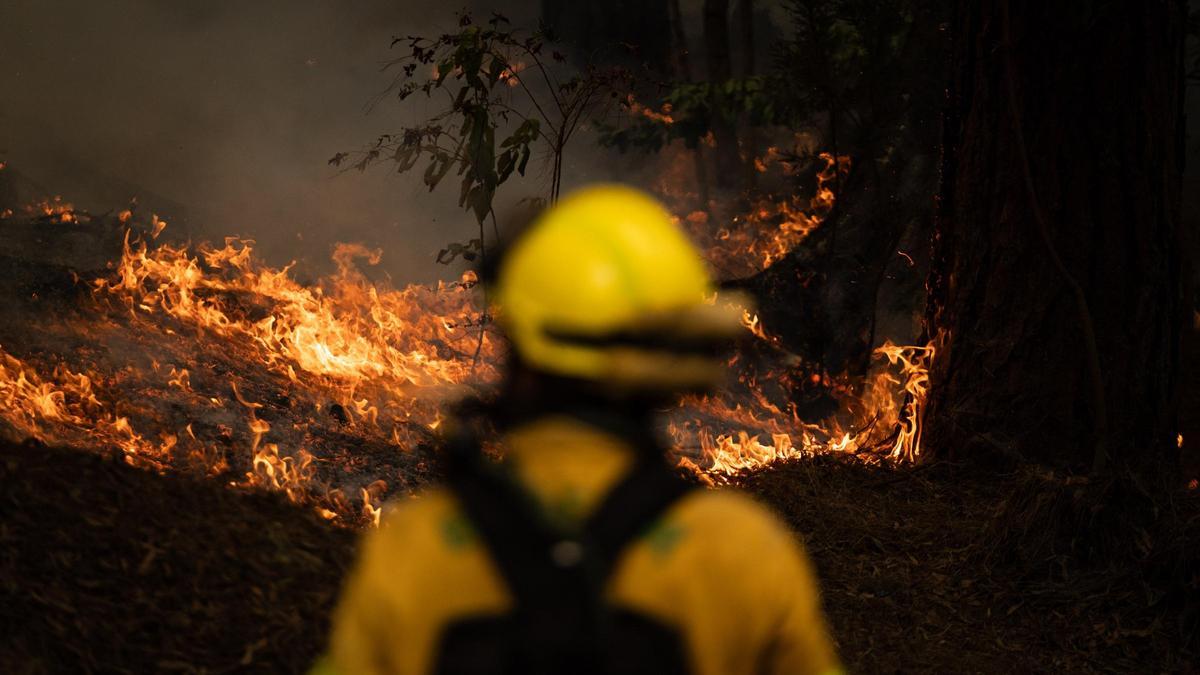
(632, 506)
(507, 519)
(524, 543)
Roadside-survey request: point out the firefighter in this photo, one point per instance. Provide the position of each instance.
(583, 551)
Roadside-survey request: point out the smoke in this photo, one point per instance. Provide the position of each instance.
(220, 116)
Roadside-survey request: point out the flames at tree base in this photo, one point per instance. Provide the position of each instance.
(206, 360)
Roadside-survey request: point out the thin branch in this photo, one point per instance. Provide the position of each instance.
(507, 108)
(553, 86)
(484, 310)
(495, 226)
(533, 99)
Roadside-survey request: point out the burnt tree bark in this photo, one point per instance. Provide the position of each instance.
(1055, 293)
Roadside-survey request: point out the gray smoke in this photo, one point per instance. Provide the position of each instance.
(220, 116)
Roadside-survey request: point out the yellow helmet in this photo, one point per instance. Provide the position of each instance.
(604, 286)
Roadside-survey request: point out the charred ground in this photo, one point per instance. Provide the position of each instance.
(108, 568)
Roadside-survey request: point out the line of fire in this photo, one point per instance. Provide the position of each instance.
(253, 265)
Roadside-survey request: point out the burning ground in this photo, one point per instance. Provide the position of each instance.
(204, 359)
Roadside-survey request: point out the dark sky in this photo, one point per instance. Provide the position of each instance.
(223, 112)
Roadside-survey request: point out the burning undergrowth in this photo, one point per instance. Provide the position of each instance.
(205, 359)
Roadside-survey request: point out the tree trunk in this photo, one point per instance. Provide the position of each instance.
(717, 57)
(750, 139)
(682, 64)
(1059, 222)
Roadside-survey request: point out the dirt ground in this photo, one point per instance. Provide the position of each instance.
(106, 568)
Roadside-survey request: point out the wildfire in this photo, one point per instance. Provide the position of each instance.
(346, 328)
(66, 407)
(771, 228)
(239, 370)
(662, 115)
(885, 420)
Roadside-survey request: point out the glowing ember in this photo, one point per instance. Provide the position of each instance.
(55, 210)
(662, 115)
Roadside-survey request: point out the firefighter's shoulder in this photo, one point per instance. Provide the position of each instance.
(431, 520)
(428, 542)
(418, 572)
(722, 569)
(720, 534)
(732, 516)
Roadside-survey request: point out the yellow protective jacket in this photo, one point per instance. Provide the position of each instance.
(717, 568)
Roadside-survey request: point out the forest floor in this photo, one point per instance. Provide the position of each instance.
(107, 568)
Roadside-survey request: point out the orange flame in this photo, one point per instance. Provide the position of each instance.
(383, 361)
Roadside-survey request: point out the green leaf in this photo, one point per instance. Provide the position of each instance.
(464, 190)
(480, 202)
(437, 169)
(430, 177)
(505, 166)
(405, 157)
(496, 68)
(524, 160)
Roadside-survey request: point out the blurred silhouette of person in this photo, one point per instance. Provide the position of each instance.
(583, 551)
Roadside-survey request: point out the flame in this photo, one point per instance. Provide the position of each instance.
(65, 406)
(180, 378)
(248, 374)
(509, 75)
(884, 420)
(772, 228)
(55, 210)
(370, 510)
(380, 362)
(289, 474)
(347, 328)
(662, 115)
(914, 368)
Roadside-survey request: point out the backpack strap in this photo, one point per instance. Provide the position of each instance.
(557, 579)
(630, 508)
(507, 518)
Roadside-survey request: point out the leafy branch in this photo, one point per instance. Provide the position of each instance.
(507, 92)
